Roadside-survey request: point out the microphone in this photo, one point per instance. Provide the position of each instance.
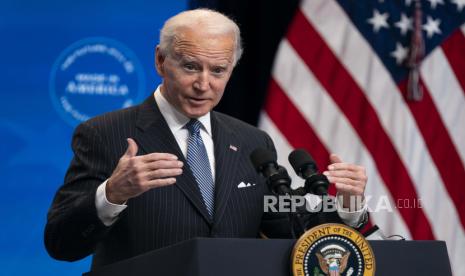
(277, 177)
(306, 168)
(279, 182)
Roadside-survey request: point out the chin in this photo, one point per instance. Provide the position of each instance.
(196, 113)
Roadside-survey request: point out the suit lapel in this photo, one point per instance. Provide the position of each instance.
(154, 135)
(226, 158)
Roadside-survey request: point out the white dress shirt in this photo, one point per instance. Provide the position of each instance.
(108, 212)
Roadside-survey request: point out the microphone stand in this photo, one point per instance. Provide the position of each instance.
(279, 186)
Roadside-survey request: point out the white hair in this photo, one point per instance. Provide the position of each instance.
(216, 23)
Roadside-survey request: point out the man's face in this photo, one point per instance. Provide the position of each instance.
(196, 71)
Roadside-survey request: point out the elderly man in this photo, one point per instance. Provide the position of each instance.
(168, 169)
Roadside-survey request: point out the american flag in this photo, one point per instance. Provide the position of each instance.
(382, 84)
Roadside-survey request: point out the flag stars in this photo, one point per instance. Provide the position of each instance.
(400, 54)
(460, 4)
(379, 20)
(405, 24)
(432, 26)
(434, 3)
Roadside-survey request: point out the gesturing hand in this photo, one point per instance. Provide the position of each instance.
(350, 181)
(135, 175)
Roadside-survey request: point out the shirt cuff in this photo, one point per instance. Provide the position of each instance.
(351, 218)
(106, 211)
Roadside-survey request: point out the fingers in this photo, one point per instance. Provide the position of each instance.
(160, 182)
(333, 158)
(135, 175)
(345, 166)
(147, 182)
(338, 164)
(352, 174)
(350, 179)
(163, 164)
(163, 173)
(355, 178)
(344, 180)
(159, 169)
(132, 149)
(151, 157)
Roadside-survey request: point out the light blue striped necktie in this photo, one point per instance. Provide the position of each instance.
(197, 159)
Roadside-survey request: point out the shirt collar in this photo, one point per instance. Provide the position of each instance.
(175, 119)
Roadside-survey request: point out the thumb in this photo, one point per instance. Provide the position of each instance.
(333, 158)
(132, 148)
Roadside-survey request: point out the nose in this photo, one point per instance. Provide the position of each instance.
(202, 82)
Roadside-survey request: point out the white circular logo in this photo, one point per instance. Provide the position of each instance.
(93, 76)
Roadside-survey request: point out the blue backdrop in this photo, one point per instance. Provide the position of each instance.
(61, 62)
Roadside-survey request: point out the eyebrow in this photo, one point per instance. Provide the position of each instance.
(187, 58)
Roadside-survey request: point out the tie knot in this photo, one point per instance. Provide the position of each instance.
(194, 126)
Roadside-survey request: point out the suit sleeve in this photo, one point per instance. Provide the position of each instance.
(73, 228)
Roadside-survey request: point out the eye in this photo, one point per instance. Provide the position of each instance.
(218, 70)
(189, 66)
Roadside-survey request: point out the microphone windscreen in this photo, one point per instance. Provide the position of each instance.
(261, 157)
(299, 158)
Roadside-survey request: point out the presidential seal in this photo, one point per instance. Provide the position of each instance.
(332, 249)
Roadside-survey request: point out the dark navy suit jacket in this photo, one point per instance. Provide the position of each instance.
(161, 216)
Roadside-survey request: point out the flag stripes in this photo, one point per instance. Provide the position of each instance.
(322, 114)
(442, 76)
(351, 100)
(441, 148)
(453, 48)
(331, 92)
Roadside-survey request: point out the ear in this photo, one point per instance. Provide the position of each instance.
(159, 60)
